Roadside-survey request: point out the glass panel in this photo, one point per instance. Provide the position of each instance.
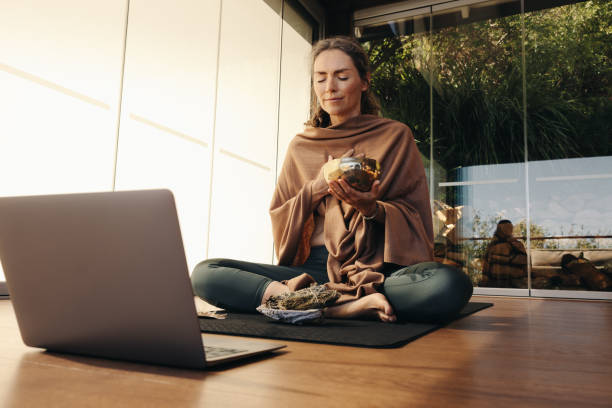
(569, 117)
(471, 64)
(400, 74)
(479, 193)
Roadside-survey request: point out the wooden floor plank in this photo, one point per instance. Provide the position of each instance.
(522, 352)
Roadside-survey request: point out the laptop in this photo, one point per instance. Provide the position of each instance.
(105, 275)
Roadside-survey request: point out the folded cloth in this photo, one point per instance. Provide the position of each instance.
(293, 316)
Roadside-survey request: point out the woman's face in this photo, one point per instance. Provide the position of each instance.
(338, 85)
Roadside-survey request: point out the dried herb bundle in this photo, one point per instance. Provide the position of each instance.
(313, 297)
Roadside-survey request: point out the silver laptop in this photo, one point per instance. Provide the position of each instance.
(104, 274)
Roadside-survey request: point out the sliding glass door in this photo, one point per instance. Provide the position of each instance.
(510, 104)
(568, 78)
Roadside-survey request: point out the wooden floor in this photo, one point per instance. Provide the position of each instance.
(519, 353)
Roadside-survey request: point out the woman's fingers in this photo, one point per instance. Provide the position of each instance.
(348, 153)
(346, 187)
(357, 194)
(335, 194)
(336, 190)
(346, 191)
(361, 201)
(375, 188)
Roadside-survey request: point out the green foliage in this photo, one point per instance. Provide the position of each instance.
(481, 228)
(520, 230)
(400, 86)
(475, 74)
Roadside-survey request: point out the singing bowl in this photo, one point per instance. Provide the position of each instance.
(359, 172)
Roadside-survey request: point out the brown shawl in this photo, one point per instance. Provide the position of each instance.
(357, 248)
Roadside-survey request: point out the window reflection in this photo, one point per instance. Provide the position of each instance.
(505, 260)
(513, 115)
(569, 117)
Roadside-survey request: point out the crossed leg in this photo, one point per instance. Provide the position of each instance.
(374, 306)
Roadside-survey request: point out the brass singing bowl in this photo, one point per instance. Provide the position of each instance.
(359, 172)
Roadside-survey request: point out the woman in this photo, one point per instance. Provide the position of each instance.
(374, 247)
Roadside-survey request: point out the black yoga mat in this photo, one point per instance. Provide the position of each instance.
(363, 333)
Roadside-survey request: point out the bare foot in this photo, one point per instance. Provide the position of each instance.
(274, 289)
(375, 306)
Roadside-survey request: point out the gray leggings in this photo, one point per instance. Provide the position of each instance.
(425, 292)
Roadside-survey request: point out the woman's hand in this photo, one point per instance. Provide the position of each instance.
(364, 202)
(320, 186)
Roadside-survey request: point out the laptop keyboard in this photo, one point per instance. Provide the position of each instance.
(215, 351)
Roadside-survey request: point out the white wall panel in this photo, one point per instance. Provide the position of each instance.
(171, 63)
(51, 142)
(153, 158)
(249, 61)
(77, 45)
(246, 130)
(240, 225)
(60, 70)
(168, 108)
(294, 106)
(60, 76)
